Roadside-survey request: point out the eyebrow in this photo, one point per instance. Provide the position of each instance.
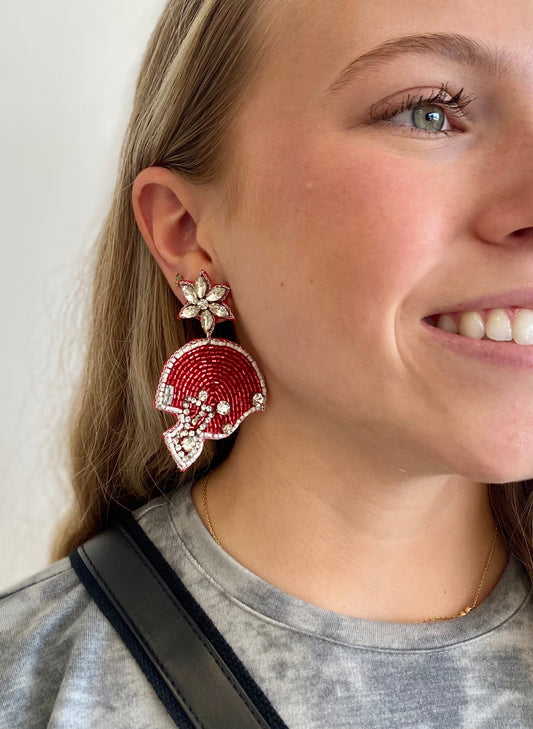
(448, 46)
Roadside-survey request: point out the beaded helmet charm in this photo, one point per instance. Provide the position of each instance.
(210, 385)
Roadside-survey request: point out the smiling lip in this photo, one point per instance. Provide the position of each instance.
(504, 354)
(519, 298)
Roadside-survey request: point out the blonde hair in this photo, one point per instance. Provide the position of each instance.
(200, 58)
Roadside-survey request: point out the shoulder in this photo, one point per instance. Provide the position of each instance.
(62, 664)
(45, 575)
(41, 619)
(37, 601)
(50, 631)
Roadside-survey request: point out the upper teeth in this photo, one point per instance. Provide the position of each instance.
(496, 325)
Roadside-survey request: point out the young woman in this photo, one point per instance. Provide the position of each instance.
(360, 174)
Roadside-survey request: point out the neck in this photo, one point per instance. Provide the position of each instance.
(351, 533)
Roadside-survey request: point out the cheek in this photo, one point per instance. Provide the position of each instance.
(357, 226)
(341, 237)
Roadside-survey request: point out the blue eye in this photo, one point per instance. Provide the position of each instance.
(428, 115)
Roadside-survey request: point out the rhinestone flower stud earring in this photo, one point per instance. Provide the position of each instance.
(210, 385)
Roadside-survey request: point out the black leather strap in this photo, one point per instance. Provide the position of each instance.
(188, 664)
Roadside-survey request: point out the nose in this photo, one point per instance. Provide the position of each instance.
(505, 215)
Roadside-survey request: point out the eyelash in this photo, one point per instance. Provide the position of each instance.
(456, 104)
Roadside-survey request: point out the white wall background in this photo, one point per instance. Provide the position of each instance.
(67, 73)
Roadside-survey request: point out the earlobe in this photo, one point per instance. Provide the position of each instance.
(166, 212)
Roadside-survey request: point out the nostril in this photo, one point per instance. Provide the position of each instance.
(524, 234)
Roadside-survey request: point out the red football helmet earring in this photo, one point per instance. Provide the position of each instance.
(210, 385)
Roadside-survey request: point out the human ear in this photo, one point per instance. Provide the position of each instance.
(168, 211)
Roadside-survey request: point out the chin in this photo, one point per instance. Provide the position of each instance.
(500, 468)
(495, 455)
(509, 477)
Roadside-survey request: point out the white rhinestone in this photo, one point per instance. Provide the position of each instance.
(220, 310)
(189, 292)
(201, 286)
(187, 444)
(258, 400)
(203, 395)
(223, 407)
(168, 394)
(190, 311)
(227, 429)
(217, 293)
(207, 320)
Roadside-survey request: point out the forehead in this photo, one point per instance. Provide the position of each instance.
(310, 41)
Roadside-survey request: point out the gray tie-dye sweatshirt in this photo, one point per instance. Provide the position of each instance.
(63, 666)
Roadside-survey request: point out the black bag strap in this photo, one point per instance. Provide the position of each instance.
(190, 676)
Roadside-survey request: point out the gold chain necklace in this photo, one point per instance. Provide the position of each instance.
(206, 513)
(466, 610)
